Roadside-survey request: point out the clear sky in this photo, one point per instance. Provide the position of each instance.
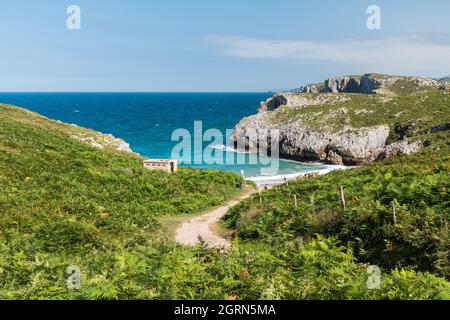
(208, 45)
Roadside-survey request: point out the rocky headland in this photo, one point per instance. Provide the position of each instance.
(352, 120)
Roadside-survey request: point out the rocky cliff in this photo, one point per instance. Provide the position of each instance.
(305, 143)
(350, 120)
(371, 83)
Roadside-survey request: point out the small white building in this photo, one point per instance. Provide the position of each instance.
(167, 165)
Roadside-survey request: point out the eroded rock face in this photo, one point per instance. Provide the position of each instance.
(370, 84)
(403, 147)
(367, 84)
(346, 147)
(298, 100)
(118, 144)
(359, 146)
(445, 86)
(309, 88)
(342, 84)
(100, 141)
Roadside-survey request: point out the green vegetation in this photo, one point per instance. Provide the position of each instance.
(422, 111)
(407, 87)
(64, 203)
(378, 76)
(61, 197)
(417, 186)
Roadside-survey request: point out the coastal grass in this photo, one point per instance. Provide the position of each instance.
(64, 203)
(418, 238)
(422, 110)
(63, 197)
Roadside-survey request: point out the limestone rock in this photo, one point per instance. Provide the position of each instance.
(309, 88)
(100, 141)
(338, 145)
(367, 84)
(445, 86)
(348, 146)
(334, 158)
(403, 147)
(342, 84)
(298, 100)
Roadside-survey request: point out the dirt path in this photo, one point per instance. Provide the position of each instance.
(188, 232)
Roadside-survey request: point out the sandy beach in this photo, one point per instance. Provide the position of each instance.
(270, 181)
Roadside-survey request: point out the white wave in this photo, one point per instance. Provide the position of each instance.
(229, 148)
(302, 163)
(282, 178)
(226, 148)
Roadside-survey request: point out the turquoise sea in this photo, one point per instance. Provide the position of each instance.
(147, 120)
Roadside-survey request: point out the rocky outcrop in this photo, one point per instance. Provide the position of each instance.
(342, 84)
(367, 84)
(346, 147)
(298, 100)
(401, 148)
(304, 139)
(309, 88)
(445, 86)
(100, 141)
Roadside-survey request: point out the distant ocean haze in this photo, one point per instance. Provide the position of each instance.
(147, 120)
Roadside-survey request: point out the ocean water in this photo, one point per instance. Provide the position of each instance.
(147, 120)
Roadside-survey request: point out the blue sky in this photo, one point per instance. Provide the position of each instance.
(206, 45)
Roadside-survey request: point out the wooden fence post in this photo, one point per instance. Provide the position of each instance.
(342, 197)
(295, 200)
(312, 204)
(394, 216)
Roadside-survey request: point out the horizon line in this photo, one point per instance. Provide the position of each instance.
(213, 91)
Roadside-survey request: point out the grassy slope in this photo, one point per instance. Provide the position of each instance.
(418, 187)
(422, 110)
(64, 203)
(61, 195)
(40, 161)
(417, 184)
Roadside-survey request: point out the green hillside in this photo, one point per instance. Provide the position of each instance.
(417, 185)
(63, 197)
(65, 203)
(419, 111)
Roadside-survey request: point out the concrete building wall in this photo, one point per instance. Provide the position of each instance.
(169, 166)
